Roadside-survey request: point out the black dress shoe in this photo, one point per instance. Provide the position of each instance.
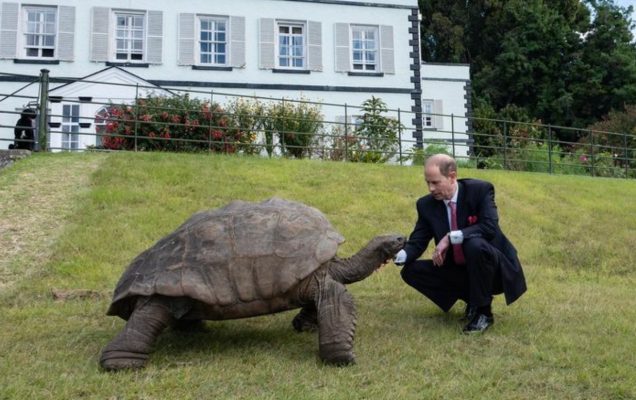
(478, 324)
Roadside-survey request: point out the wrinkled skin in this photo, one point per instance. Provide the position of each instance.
(325, 305)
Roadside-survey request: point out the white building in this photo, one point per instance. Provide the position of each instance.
(446, 104)
(331, 51)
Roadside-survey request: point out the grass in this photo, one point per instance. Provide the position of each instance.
(569, 337)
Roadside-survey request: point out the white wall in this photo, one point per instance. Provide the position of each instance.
(448, 84)
(395, 15)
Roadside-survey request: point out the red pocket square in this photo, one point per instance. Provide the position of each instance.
(472, 219)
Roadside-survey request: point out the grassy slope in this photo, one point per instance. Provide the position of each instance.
(569, 337)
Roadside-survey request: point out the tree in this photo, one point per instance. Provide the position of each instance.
(565, 62)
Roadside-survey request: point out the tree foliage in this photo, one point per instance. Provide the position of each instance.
(564, 62)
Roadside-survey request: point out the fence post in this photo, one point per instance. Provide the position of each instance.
(400, 135)
(550, 149)
(210, 123)
(346, 129)
(136, 113)
(592, 153)
(43, 101)
(625, 162)
(453, 133)
(505, 144)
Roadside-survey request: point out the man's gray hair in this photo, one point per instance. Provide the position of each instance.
(444, 162)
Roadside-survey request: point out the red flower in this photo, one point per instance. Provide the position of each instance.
(216, 135)
(472, 219)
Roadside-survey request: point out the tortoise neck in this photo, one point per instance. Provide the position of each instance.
(357, 267)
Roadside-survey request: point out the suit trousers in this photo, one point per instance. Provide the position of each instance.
(475, 282)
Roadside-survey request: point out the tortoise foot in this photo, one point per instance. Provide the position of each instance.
(340, 359)
(118, 360)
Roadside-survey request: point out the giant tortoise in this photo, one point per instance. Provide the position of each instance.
(243, 260)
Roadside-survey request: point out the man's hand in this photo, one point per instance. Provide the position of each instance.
(400, 258)
(439, 254)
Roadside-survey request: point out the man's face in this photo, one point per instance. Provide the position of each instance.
(441, 187)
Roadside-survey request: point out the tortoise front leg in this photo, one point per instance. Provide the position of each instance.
(336, 323)
(130, 348)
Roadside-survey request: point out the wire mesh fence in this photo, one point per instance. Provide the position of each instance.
(151, 118)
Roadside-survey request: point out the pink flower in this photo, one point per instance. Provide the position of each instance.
(472, 219)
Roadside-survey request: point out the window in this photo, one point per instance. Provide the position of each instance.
(364, 46)
(291, 45)
(427, 114)
(70, 126)
(213, 40)
(40, 27)
(102, 119)
(129, 36)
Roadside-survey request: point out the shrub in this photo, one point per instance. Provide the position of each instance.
(295, 123)
(176, 123)
(377, 136)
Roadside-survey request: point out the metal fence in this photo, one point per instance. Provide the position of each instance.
(347, 133)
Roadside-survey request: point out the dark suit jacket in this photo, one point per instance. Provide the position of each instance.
(476, 218)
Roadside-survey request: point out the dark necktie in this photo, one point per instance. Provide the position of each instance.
(458, 253)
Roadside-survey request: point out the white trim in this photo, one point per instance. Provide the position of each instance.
(377, 63)
(197, 39)
(291, 24)
(23, 21)
(115, 13)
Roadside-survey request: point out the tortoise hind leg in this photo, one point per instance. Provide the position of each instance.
(306, 320)
(130, 348)
(336, 323)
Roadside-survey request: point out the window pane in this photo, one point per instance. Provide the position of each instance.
(48, 53)
(297, 30)
(283, 29)
(220, 59)
(220, 48)
(283, 61)
(220, 37)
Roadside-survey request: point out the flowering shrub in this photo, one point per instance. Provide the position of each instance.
(177, 123)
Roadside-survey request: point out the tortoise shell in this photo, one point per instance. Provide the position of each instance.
(239, 253)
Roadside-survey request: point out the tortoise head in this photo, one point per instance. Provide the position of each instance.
(388, 245)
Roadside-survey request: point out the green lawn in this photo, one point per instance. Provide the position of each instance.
(571, 336)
